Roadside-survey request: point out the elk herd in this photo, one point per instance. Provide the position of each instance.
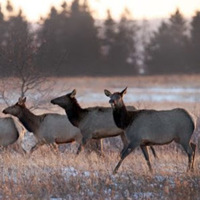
(143, 128)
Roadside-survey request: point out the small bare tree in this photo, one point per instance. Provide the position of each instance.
(18, 51)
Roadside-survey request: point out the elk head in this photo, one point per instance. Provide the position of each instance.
(16, 109)
(65, 100)
(116, 99)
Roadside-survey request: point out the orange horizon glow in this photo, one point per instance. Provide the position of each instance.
(139, 9)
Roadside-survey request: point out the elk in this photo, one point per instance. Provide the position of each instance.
(94, 122)
(152, 127)
(48, 128)
(8, 132)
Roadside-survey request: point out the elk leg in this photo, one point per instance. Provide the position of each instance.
(188, 149)
(79, 149)
(53, 146)
(153, 151)
(101, 145)
(123, 150)
(125, 142)
(101, 153)
(79, 140)
(124, 139)
(193, 146)
(146, 155)
(83, 143)
(124, 154)
(34, 148)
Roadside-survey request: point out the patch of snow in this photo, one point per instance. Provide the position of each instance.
(108, 191)
(67, 172)
(28, 141)
(143, 195)
(160, 178)
(86, 174)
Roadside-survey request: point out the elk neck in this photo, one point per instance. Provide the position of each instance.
(30, 121)
(74, 112)
(121, 116)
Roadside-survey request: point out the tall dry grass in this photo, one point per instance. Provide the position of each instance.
(50, 174)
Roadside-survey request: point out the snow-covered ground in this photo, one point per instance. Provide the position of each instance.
(154, 94)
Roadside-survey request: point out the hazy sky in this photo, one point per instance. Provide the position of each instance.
(140, 9)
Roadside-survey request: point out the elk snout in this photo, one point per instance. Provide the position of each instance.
(53, 101)
(4, 111)
(111, 101)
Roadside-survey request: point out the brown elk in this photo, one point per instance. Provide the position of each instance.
(8, 131)
(48, 128)
(151, 127)
(94, 122)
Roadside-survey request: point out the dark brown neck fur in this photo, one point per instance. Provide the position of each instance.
(30, 121)
(122, 117)
(74, 112)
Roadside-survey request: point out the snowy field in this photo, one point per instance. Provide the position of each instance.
(148, 94)
(61, 175)
(53, 175)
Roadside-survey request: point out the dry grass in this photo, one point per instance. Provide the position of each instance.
(136, 81)
(47, 174)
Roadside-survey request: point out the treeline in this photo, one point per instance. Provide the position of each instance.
(70, 42)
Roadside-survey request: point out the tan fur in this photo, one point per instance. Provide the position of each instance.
(8, 131)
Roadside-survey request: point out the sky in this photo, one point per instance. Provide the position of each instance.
(140, 9)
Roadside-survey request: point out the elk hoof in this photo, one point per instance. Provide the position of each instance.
(115, 171)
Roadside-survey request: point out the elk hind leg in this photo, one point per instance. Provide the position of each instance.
(78, 139)
(146, 155)
(84, 141)
(154, 152)
(193, 146)
(79, 149)
(190, 152)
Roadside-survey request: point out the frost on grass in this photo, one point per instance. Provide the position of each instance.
(49, 175)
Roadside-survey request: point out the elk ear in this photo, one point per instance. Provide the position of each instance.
(73, 93)
(21, 101)
(107, 93)
(123, 91)
(24, 100)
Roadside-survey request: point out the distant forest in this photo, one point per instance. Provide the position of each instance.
(70, 42)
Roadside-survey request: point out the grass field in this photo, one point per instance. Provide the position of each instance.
(54, 175)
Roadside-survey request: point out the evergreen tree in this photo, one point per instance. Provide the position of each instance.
(107, 41)
(52, 50)
(71, 45)
(84, 44)
(157, 49)
(195, 43)
(143, 39)
(109, 33)
(121, 47)
(167, 51)
(3, 32)
(17, 49)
